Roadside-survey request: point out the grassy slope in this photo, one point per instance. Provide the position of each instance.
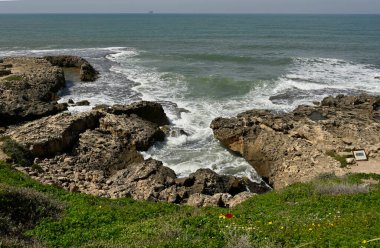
(297, 216)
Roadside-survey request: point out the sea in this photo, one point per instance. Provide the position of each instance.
(201, 66)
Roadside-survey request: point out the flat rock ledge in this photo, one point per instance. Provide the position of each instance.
(298, 146)
(97, 153)
(29, 86)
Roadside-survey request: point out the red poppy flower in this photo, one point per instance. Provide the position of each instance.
(229, 216)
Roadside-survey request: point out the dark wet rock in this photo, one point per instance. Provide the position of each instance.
(83, 103)
(70, 101)
(149, 111)
(208, 182)
(292, 147)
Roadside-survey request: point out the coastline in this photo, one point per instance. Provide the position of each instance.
(284, 149)
(96, 152)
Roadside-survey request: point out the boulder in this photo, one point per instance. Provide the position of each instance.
(144, 181)
(82, 103)
(240, 198)
(141, 133)
(208, 182)
(149, 111)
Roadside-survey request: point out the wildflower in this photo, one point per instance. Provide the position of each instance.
(364, 241)
(229, 216)
(222, 216)
(100, 206)
(310, 229)
(270, 223)
(281, 227)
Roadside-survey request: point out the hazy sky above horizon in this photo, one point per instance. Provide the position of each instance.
(191, 6)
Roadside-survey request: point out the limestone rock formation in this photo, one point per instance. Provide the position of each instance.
(53, 135)
(30, 91)
(96, 152)
(87, 71)
(297, 146)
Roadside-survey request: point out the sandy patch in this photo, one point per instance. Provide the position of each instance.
(370, 166)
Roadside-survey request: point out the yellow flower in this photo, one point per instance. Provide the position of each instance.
(100, 207)
(310, 229)
(364, 241)
(282, 228)
(270, 223)
(222, 216)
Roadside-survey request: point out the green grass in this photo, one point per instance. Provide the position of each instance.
(297, 216)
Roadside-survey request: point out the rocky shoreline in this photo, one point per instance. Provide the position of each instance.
(286, 148)
(97, 152)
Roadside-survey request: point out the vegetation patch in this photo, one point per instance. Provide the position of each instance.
(14, 78)
(296, 216)
(19, 154)
(341, 159)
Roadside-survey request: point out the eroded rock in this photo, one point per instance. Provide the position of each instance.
(87, 71)
(56, 134)
(293, 147)
(30, 91)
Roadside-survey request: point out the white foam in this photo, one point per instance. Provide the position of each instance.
(200, 150)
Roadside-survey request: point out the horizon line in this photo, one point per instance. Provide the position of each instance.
(186, 13)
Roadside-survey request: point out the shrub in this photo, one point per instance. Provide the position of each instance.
(17, 152)
(341, 189)
(22, 208)
(340, 159)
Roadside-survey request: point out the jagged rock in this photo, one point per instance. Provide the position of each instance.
(32, 93)
(56, 134)
(5, 72)
(149, 111)
(206, 181)
(145, 180)
(292, 147)
(87, 71)
(141, 133)
(101, 151)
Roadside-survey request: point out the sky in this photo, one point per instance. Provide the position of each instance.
(191, 6)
